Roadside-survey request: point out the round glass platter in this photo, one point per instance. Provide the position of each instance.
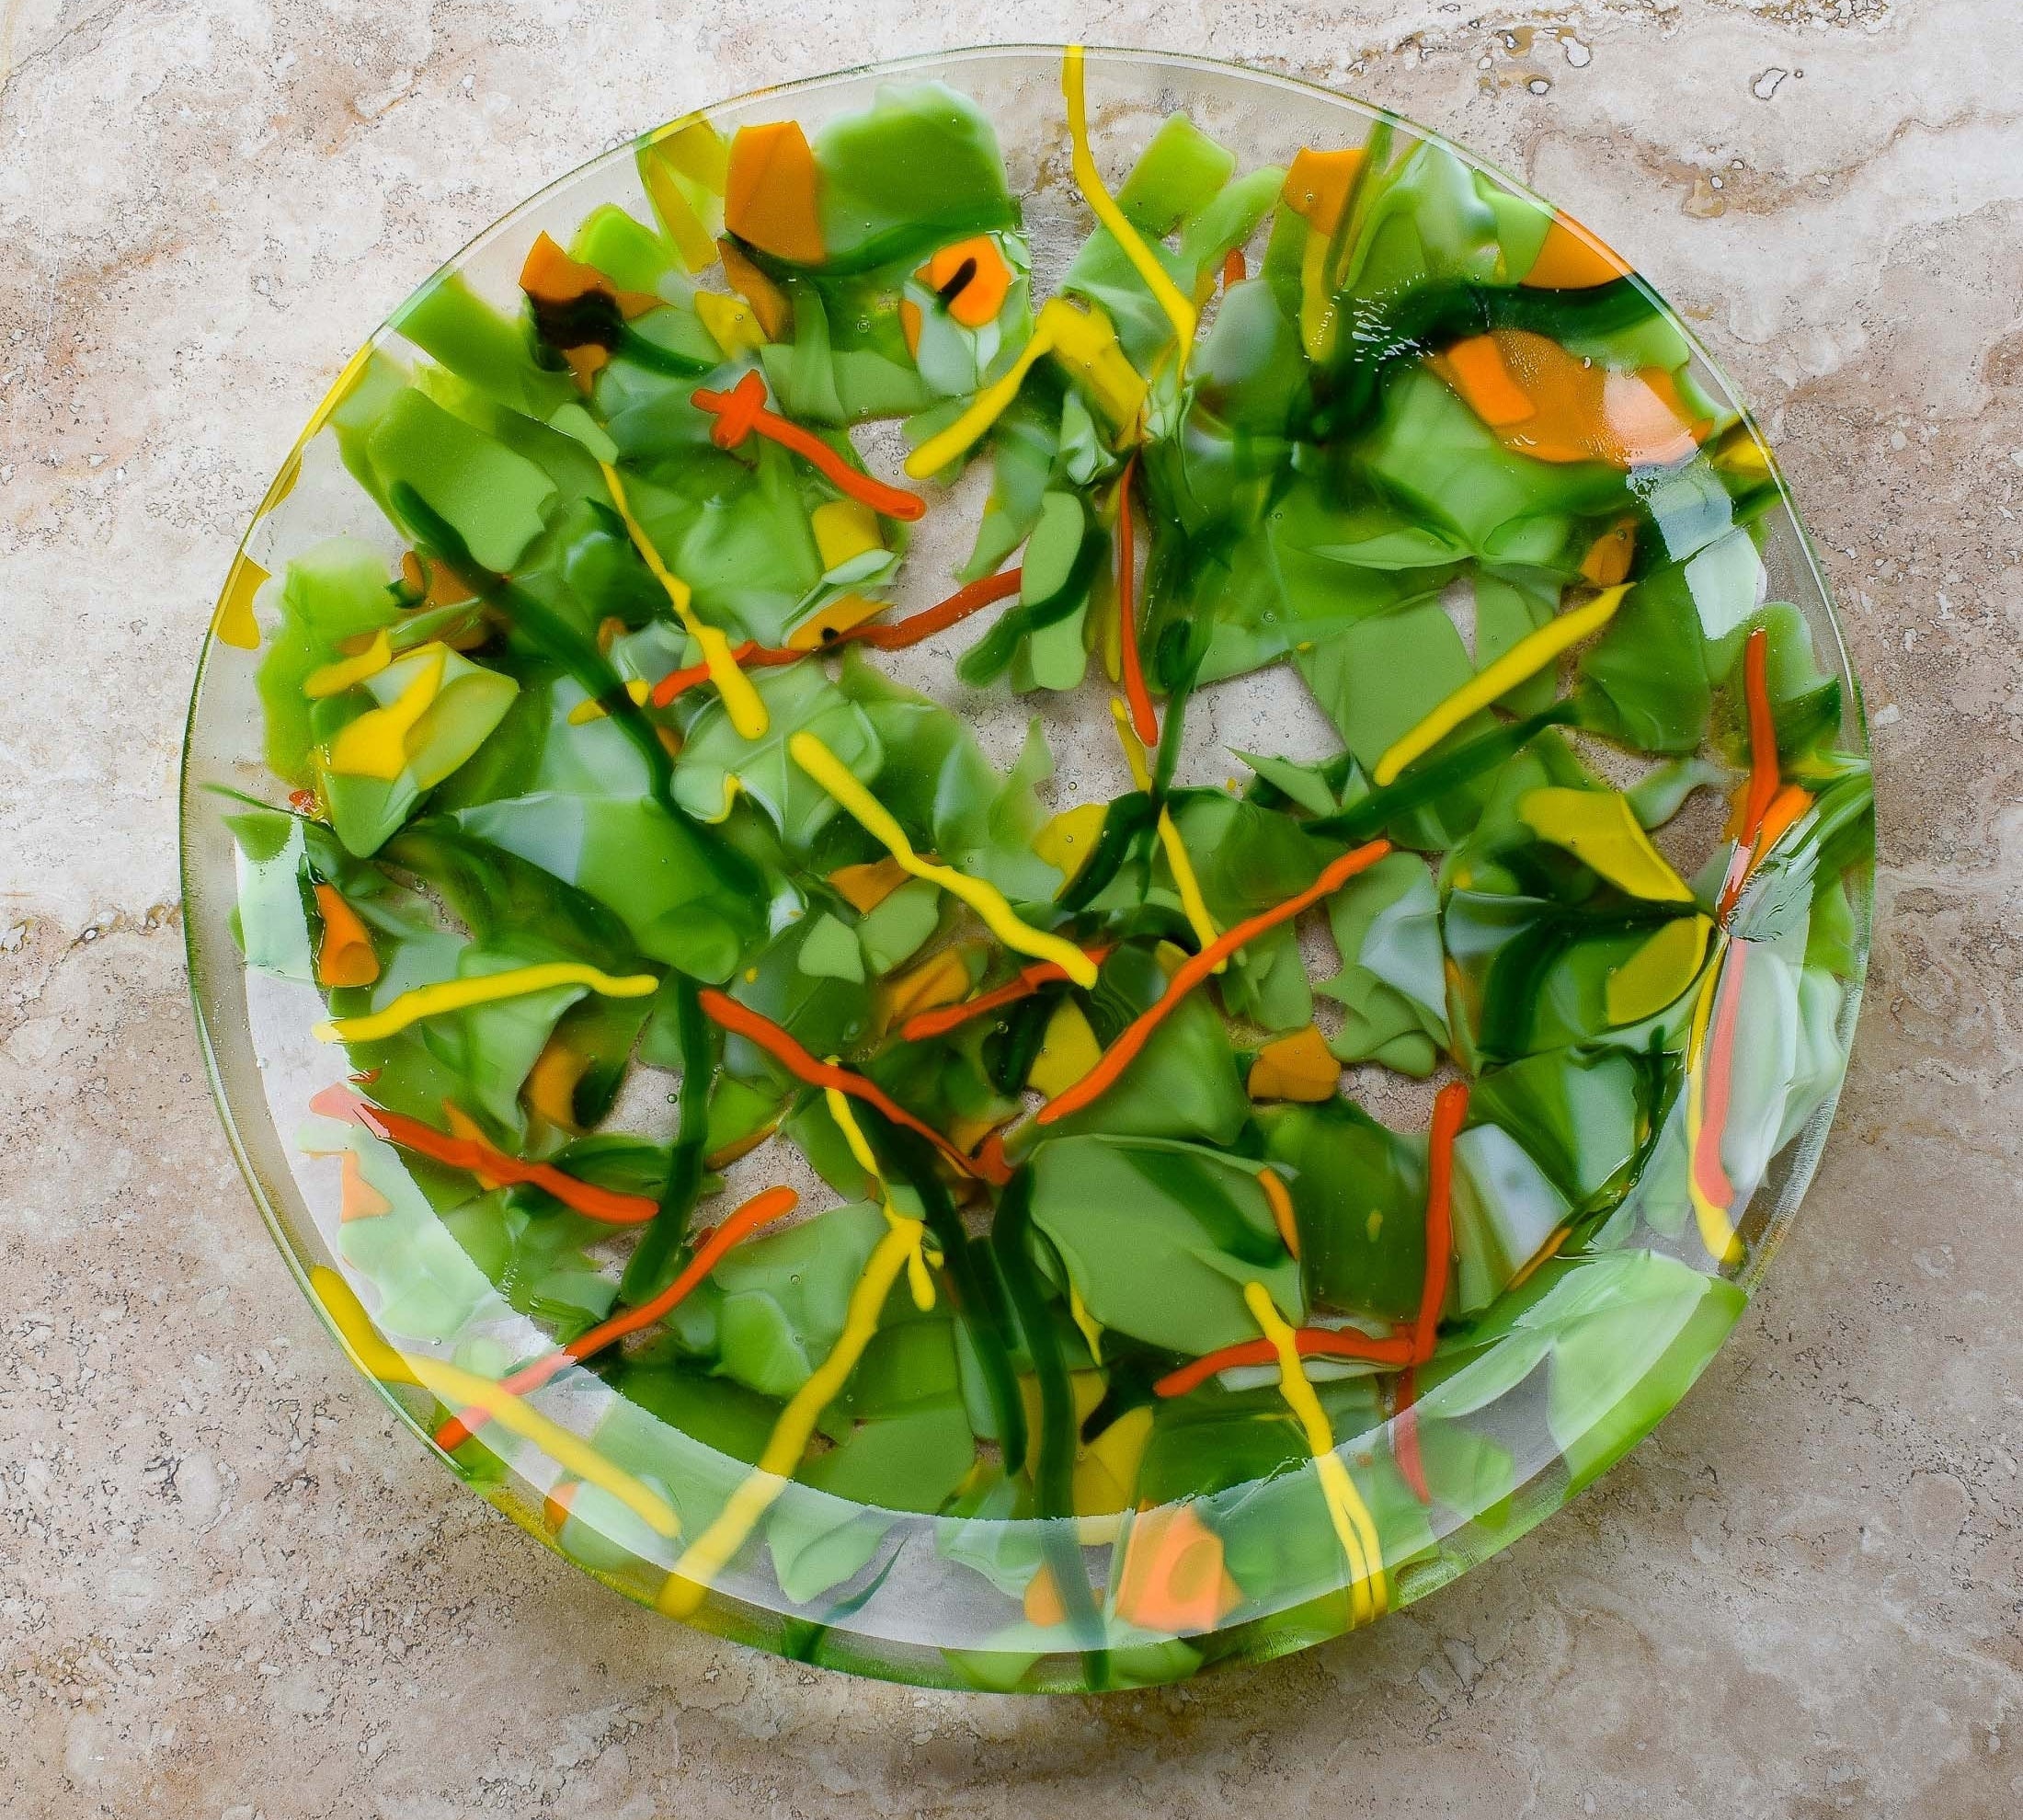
(1029, 913)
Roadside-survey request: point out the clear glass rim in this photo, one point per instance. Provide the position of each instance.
(724, 1612)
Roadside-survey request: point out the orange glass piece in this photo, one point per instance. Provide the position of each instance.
(550, 276)
(1299, 1067)
(770, 193)
(1318, 184)
(1571, 259)
(981, 295)
(344, 955)
(768, 301)
(1173, 1576)
(1555, 406)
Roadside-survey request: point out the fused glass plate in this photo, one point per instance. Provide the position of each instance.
(1029, 894)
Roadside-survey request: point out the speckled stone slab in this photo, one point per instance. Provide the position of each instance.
(225, 1590)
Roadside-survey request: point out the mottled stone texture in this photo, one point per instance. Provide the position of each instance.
(229, 1587)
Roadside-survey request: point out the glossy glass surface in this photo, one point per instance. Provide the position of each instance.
(1384, 462)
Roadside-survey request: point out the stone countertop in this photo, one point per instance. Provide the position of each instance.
(229, 1586)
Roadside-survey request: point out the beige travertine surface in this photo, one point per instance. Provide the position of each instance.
(228, 1588)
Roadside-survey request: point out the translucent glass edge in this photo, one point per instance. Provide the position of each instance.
(725, 1614)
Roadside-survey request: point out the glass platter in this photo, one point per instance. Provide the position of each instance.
(1134, 1122)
